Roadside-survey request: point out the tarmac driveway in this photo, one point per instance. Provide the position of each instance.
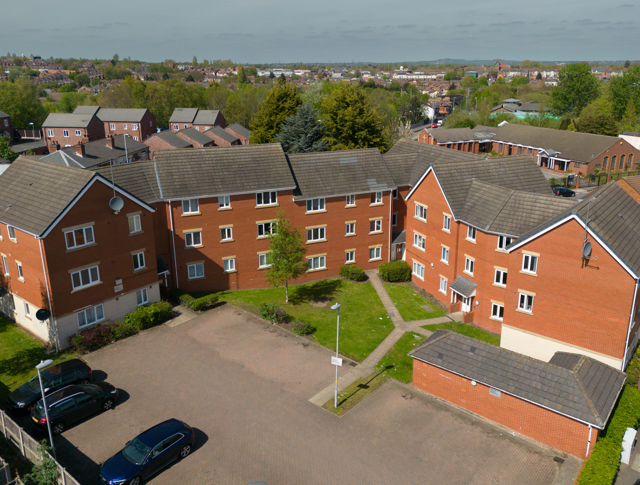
(244, 385)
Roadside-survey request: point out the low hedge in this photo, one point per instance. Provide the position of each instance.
(272, 312)
(198, 304)
(93, 338)
(150, 315)
(395, 271)
(355, 273)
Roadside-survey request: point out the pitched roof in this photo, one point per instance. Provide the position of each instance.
(196, 135)
(463, 286)
(240, 129)
(3, 114)
(206, 117)
(172, 139)
(96, 153)
(86, 110)
(183, 115)
(67, 120)
(238, 169)
(343, 172)
(121, 115)
(455, 135)
(137, 178)
(581, 388)
(225, 135)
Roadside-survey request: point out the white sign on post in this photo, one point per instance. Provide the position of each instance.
(336, 361)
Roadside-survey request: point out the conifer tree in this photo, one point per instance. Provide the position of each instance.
(281, 102)
(302, 132)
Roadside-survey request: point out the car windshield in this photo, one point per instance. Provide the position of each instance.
(136, 451)
(34, 384)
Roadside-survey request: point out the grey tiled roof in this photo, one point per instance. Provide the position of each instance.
(67, 120)
(584, 389)
(225, 135)
(342, 172)
(453, 135)
(86, 110)
(96, 153)
(3, 114)
(25, 147)
(34, 193)
(121, 115)
(239, 169)
(463, 286)
(196, 135)
(400, 166)
(183, 115)
(240, 129)
(206, 117)
(137, 178)
(172, 139)
(399, 237)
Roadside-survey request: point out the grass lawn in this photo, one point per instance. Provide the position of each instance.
(19, 354)
(396, 363)
(409, 303)
(467, 330)
(363, 320)
(356, 392)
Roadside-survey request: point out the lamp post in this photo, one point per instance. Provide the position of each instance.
(338, 360)
(33, 129)
(126, 153)
(42, 365)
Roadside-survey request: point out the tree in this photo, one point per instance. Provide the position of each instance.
(46, 473)
(19, 100)
(5, 151)
(519, 81)
(281, 102)
(242, 76)
(500, 80)
(572, 126)
(286, 256)
(412, 109)
(627, 64)
(194, 61)
(302, 132)
(271, 75)
(576, 88)
(350, 121)
(483, 81)
(600, 124)
(538, 76)
(189, 78)
(623, 89)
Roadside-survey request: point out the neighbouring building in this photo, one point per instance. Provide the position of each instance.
(196, 138)
(5, 125)
(222, 137)
(139, 124)
(519, 109)
(240, 132)
(166, 140)
(200, 119)
(68, 129)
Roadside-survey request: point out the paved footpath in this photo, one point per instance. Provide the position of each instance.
(367, 366)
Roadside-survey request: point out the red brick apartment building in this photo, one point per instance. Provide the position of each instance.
(200, 119)
(68, 129)
(5, 125)
(139, 124)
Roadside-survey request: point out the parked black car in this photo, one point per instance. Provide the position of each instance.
(72, 404)
(54, 377)
(563, 192)
(148, 453)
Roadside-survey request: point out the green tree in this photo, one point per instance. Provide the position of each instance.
(189, 78)
(350, 121)
(287, 254)
(19, 100)
(411, 109)
(281, 102)
(5, 151)
(572, 126)
(302, 132)
(630, 120)
(519, 81)
(271, 75)
(600, 124)
(483, 81)
(242, 76)
(623, 89)
(627, 64)
(194, 61)
(576, 88)
(538, 76)
(69, 101)
(500, 80)
(234, 111)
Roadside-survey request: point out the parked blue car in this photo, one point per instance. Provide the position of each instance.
(148, 453)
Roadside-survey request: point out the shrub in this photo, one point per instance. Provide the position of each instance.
(175, 294)
(300, 327)
(93, 338)
(355, 273)
(124, 329)
(395, 271)
(633, 369)
(273, 313)
(151, 315)
(204, 303)
(186, 300)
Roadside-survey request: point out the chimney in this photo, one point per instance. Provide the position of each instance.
(80, 151)
(111, 141)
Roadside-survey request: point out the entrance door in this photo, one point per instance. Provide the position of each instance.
(402, 249)
(394, 250)
(466, 304)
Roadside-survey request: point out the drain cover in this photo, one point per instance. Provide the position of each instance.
(352, 364)
(391, 315)
(557, 459)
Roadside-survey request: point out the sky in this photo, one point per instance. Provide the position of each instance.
(326, 31)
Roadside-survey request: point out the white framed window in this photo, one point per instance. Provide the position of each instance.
(142, 296)
(151, 124)
(176, 127)
(195, 271)
(78, 133)
(266, 198)
(376, 198)
(525, 303)
(85, 277)
(266, 228)
(443, 285)
(503, 242)
(350, 228)
(112, 126)
(90, 315)
(316, 234)
(315, 205)
(420, 212)
(445, 255)
(316, 262)
(375, 253)
(263, 260)
(12, 233)
(79, 237)
(446, 222)
(193, 239)
(135, 224)
(375, 225)
(6, 265)
(471, 233)
(351, 200)
(65, 133)
(500, 278)
(198, 128)
(190, 206)
(226, 233)
(224, 202)
(529, 263)
(497, 311)
(124, 126)
(468, 265)
(134, 126)
(419, 241)
(229, 265)
(27, 310)
(394, 219)
(135, 138)
(350, 256)
(186, 126)
(50, 133)
(418, 270)
(20, 273)
(395, 193)
(138, 261)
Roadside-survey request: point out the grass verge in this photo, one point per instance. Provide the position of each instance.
(409, 303)
(396, 363)
(467, 330)
(355, 393)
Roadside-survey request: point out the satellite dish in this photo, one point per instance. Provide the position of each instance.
(586, 250)
(43, 314)
(116, 203)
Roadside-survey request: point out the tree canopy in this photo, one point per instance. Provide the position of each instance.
(19, 100)
(281, 102)
(302, 132)
(624, 90)
(576, 88)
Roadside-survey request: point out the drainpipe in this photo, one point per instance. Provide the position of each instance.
(391, 223)
(633, 311)
(588, 442)
(173, 245)
(52, 320)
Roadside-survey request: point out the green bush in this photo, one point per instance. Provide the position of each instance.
(633, 369)
(175, 294)
(124, 329)
(93, 338)
(395, 271)
(300, 327)
(186, 300)
(273, 313)
(151, 315)
(355, 273)
(203, 303)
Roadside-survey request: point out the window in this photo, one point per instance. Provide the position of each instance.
(190, 206)
(471, 233)
(134, 126)
(497, 311)
(85, 277)
(315, 205)
(27, 310)
(419, 241)
(186, 126)
(395, 193)
(316, 234)
(468, 265)
(500, 278)
(529, 263)
(621, 166)
(530, 151)
(350, 256)
(604, 163)
(50, 133)
(229, 265)
(266, 228)
(446, 223)
(503, 242)
(78, 133)
(316, 262)
(124, 126)
(135, 138)
(418, 270)
(613, 162)
(65, 133)
(151, 124)
(500, 148)
(266, 198)
(226, 234)
(519, 150)
(176, 127)
(443, 284)
(79, 237)
(263, 261)
(445, 255)
(196, 270)
(12, 233)
(90, 315)
(135, 225)
(351, 200)
(376, 198)
(142, 296)
(20, 274)
(525, 303)
(138, 261)
(6, 265)
(421, 212)
(375, 253)
(112, 126)
(224, 202)
(394, 219)
(351, 228)
(375, 225)
(630, 160)
(193, 239)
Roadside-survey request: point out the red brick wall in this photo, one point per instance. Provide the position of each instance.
(400, 208)
(195, 143)
(5, 124)
(156, 143)
(622, 147)
(221, 142)
(243, 140)
(144, 129)
(94, 131)
(528, 419)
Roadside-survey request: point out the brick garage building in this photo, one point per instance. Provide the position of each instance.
(222, 137)
(166, 140)
(240, 132)
(563, 403)
(195, 138)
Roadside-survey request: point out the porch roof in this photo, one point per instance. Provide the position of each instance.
(463, 286)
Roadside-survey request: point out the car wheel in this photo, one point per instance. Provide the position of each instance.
(85, 381)
(573, 195)
(136, 481)
(108, 404)
(184, 452)
(58, 428)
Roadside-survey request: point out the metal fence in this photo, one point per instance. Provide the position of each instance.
(29, 448)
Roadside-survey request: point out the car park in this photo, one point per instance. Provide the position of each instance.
(72, 404)
(149, 453)
(563, 192)
(54, 377)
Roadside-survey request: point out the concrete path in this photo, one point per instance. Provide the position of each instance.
(181, 315)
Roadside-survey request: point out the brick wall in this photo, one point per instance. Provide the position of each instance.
(138, 130)
(5, 124)
(195, 143)
(156, 143)
(220, 142)
(94, 131)
(243, 140)
(617, 150)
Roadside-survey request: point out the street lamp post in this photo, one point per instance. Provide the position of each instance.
(42, 365)
(337, 307)
(33, 129)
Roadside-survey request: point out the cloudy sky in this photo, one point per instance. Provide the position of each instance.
(268, 31)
